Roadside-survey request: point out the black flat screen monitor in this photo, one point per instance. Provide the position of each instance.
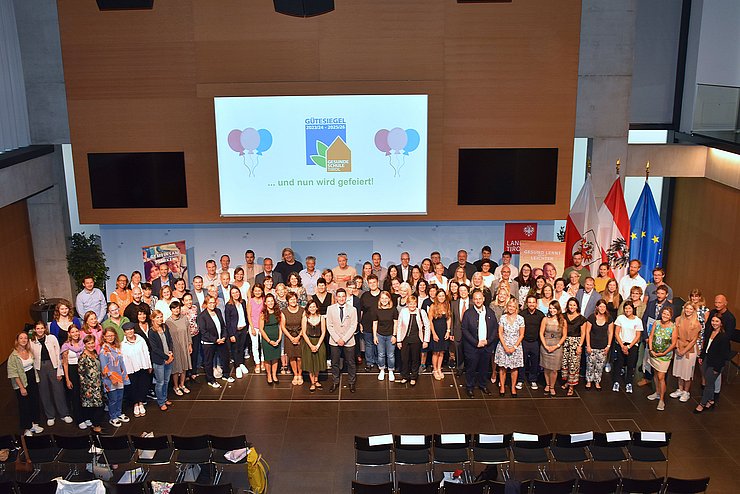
(507, 176)
(137, 180)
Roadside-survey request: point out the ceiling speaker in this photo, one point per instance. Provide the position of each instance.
(303, 8)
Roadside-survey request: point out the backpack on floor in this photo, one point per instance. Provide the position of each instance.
(257, 471)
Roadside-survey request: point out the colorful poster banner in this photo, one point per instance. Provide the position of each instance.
(172, 253)
(536, 254)
(516, 232)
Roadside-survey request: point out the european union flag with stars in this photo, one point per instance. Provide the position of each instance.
(646, 232)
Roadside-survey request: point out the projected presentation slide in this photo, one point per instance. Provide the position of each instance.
(322, 155)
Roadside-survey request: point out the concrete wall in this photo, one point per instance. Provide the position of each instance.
(38, 33)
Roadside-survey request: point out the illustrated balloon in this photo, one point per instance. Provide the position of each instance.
(235, 142)
(265, 141)
(250, 139)
(381, 141)
(396, 139)
(412, 141)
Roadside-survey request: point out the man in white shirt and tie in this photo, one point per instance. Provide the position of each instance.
(341, 322)
(480, 336)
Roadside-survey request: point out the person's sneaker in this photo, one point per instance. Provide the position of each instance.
(67, 419)
(239, 373)
(654, 396)
(628, 388)
(214, 385)
(89, 422)
(50, 422)
(685, 396)
(608, 367)
(28, 432)
(381, 375)
(142, 410)
(228, 379)
(533, 386)
(404, 381)
(82, 425)
(615, 387)
(123, 418)
(284, 371)
(115, 422)
(244, 369)
(519, 385)
(661, 406)
(676, 394)
(391, 376)
(36, 428)
(422, 368)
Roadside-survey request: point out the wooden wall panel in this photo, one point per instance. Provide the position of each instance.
(16, 257)
(704, 237)
(498, 75)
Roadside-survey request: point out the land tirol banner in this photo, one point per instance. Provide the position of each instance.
(172, 253)
(516, 232)
(536, 254)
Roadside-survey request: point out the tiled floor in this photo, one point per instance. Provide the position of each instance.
(308, 437)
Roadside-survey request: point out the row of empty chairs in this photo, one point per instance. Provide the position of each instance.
(144, 452)
(576, 449)
(616, 485)
(133, 488)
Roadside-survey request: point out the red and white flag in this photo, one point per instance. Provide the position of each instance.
(614, 231)
(582, 227)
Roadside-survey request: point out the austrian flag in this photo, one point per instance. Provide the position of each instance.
(582, 227)
(614, 231)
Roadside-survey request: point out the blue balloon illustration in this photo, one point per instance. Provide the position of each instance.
(265, 141)
(412, 141)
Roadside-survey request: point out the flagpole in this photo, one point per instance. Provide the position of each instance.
(618, 166)
(588, 167)
(647, 171)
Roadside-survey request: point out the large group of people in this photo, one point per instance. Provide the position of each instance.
(494, 323)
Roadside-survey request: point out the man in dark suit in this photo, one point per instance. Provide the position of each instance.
(462, 261)
(404, 269)
(268, 271)
(480, 336)
(199, 294)
(165, 279)
(589, 295)
(459, 307)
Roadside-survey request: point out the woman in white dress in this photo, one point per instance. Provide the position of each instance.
(509, 354)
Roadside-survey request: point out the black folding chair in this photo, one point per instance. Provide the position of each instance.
(410, 488)
(37, 487)
(10, 443)
(642, 486)
(222, 445)
(7, 487)
(452, 449)
(413, 450)
(360, 488)
(211, 489)
(492, 449)
(609, 448)
(552, 487)
(113, 450)
(190, 450)
(74, 451)
(133, 488)
(572, 449)
(373, 452)
(151, 451)
(532, 449)
(647, 447)
(586, 486)
(474, 488)
(686, 486)
(41, 451)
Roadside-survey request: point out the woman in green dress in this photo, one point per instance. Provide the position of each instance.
(272, 324)
(661, 343)
(313, 331)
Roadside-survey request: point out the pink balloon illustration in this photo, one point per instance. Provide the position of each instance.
(235, 141)
(250, 139)
(396, 139)
(381, 141)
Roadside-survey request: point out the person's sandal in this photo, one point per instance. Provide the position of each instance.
(570, 392)
(178, 391)
(163, 408)
(312, 388)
